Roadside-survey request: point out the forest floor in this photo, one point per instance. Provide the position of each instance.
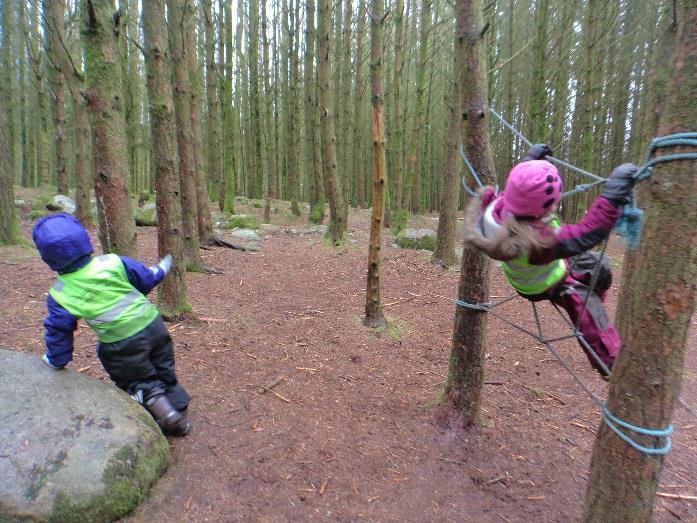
(350, 430)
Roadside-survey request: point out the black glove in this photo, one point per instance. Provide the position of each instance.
(618, 188)
(538, 152)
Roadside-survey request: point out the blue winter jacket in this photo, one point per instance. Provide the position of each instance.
(66, 247)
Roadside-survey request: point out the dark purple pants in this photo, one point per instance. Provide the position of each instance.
(576, 297)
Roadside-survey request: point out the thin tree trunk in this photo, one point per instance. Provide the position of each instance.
(182, 106)
(397, 113)
(416, 139)
(332, 187)
(257, 185)
(647, 378)
(117, 231)
(373, 307)
(293, 107)
(57, 84)
(213, 127)
(203, 214)
(229, 121)
(311, 121)
(9, 226)
(272, 178)
(173, 301)
(463, 389)
(358, 112)
(444, 252)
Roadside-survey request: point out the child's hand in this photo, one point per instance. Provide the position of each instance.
(618, 188)
(45, 359)
(538, 152)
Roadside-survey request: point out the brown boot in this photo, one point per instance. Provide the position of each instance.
(171, 421)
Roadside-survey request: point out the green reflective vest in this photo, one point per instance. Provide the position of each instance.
(101, 294)
(526, 278)
(532, 279)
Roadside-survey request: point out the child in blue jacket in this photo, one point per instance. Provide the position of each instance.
(109, 293)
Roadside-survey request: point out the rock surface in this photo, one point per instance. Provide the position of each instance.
(71, 448)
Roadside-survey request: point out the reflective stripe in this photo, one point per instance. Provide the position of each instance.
(117, 309)
(58, 286)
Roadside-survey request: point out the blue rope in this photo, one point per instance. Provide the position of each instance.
(472, 172)
(612, 421)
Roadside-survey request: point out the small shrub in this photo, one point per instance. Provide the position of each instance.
(242, 200)
(242, 221)
(427, 243)
(317, 212)
(257, 204)
(399, 221)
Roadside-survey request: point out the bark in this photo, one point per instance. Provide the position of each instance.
(537, 127)
(373, 307)
(293, 128)
(229, 116)
(182, 106)
(311, 121)
(172, 294)
(463, 389)
(346, 77)
(397, 114)
(647, 377)
(444, 252)
(272, 178)
(74, 79)
(359, 126)
(416, 139)
(9, 226)
(203, 214)
(101, 31)
(332, 188)
(57, 84)
(213, 121)
(256, 188)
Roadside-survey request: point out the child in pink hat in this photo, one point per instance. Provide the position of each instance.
(545, 260)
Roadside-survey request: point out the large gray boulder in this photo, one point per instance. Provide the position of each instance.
(71, 448)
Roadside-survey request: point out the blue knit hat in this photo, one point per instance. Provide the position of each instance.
(61, 240)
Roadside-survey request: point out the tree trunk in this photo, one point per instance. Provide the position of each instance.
(172, 292)
(203, 214)
(229, 116)
(213, 127)
(293, 128)
(57, 85)
(373, 307)
(358, 112)
(257, 186)
(346, 77)
(332, 188)
(311, 122)
(9, 226)
(272, 178)
(117, 231)
(463, 389)
(646, 380)
(444, 252)
(397, 116)
(182, 107)
(416, 138)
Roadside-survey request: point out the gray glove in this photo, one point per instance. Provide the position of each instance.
(619, 186)
(45, 359)
(166, 264)
(538, 152)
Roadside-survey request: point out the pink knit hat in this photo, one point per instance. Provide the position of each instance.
(532, 189)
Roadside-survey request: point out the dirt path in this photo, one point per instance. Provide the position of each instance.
(348, 431)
